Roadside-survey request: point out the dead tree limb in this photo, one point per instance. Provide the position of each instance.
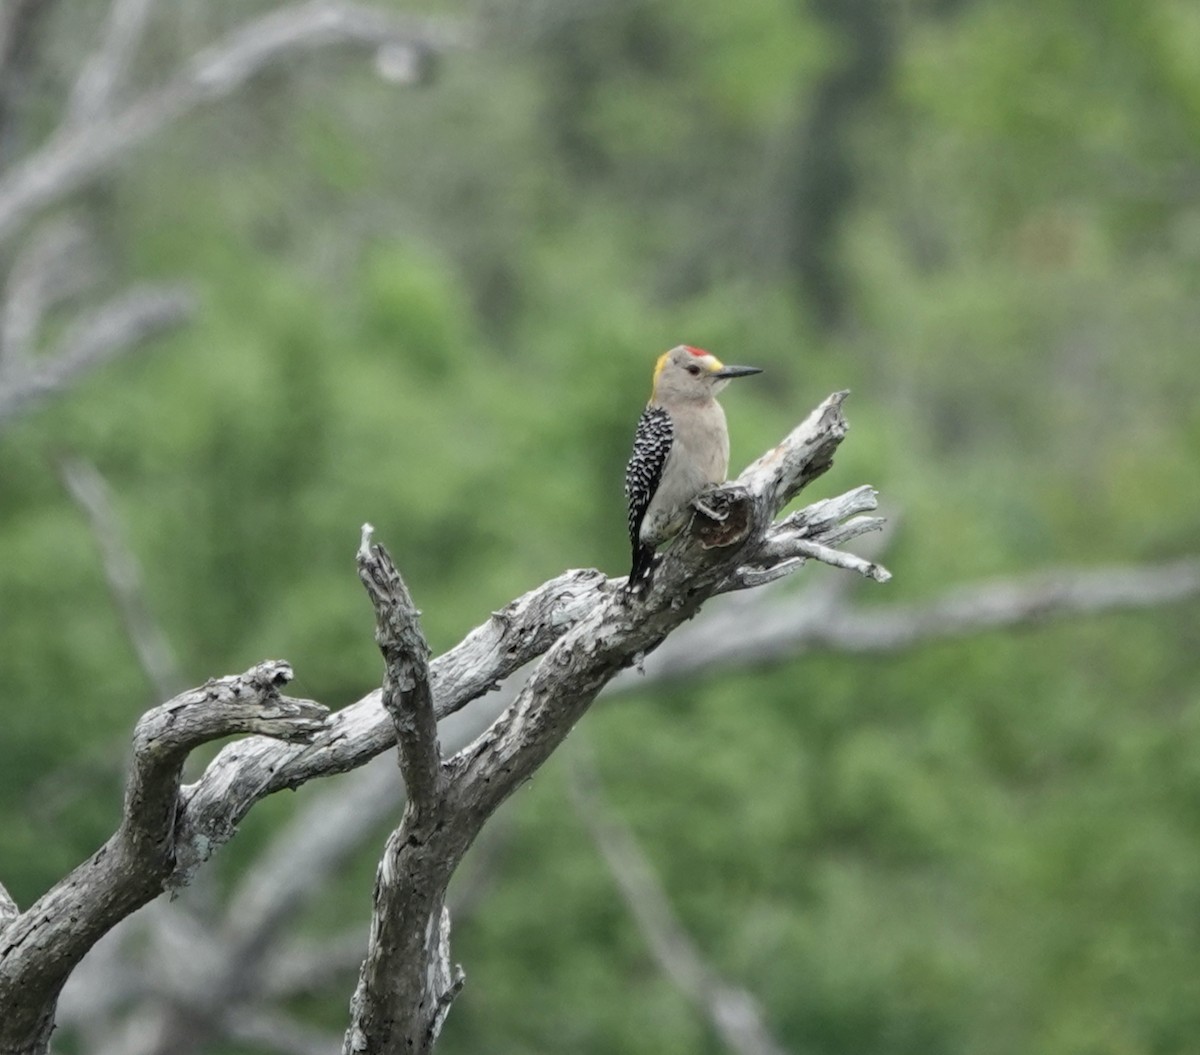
(779, 628)
(528, 628)
(732, 1012)
(8, 909)
(585, 627)
(102, 335)
(21, 28)
(40, 947)
(91, 493)
(79, 152)
(100, 80)
(406, 983)
(55, 263)
(258, 962)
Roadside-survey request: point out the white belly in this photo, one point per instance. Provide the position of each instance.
(699, 457)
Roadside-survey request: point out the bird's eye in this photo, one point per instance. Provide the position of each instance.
(694, 370)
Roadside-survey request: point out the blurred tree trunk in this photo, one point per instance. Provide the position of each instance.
(21, 24)
(822, 188)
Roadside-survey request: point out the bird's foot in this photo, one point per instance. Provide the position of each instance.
(701, 506)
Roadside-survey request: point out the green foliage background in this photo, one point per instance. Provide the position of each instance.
(436, 309)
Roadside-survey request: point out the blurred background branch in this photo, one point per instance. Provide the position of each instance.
(97, 134)
(94, 339)
(92, 494)
(99, 80)
(82, 150)
(733, 1013)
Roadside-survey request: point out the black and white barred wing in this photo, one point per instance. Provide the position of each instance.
(651, 445)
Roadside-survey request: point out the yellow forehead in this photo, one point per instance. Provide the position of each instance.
(709, 361)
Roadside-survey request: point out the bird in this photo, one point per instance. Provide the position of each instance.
(681, 447)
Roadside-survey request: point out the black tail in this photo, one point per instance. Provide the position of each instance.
(643, 565)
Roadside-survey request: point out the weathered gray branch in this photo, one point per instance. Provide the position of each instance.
(93, 340)
(409, 943)
(78, 153)
(40, 948)
(514, 636)
(265, 1032)
(733, 1013)
(586, 626)
(8, 908)
(100, 78)
(91, 493)
(54, 264)
(21, 26)
(406, 983)
(406, 693)
(511, 638)
(244, 961)
(782, 627)
(750, 628)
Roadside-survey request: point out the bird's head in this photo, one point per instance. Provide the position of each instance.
(692, 374)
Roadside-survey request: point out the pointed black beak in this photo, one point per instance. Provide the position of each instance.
(737, 371)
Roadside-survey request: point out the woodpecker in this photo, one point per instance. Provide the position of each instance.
(681, 447)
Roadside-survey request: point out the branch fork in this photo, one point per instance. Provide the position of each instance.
(405, 983)
(584, 629)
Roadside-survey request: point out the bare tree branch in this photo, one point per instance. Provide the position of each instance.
(91, 493)
(308, 965)
(587, 627)
(733, 1013)
(406, 694)
(790, 543)
(609, 637)
(777, 628)
(21, 23)
(100, 79)
(514, 636)
(511, 638)
(41, 947)
(110, 331)
(406, 983)
(54, 265)
(749, 628)
(78, 153)
(8, 908)
(277, 1033)
(243, 963)
(429, 844)
(788, 549)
